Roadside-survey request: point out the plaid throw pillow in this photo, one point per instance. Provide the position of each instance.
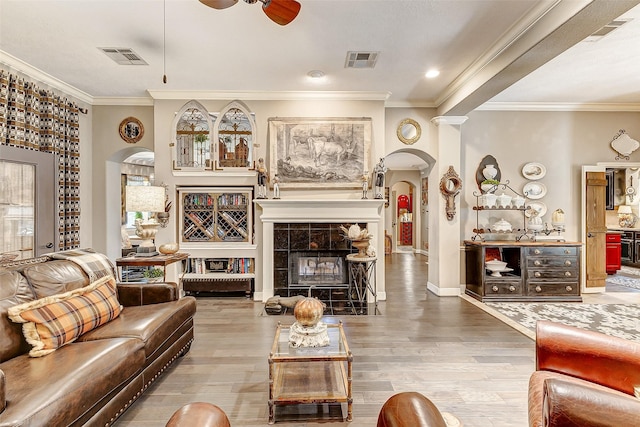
(51, 322)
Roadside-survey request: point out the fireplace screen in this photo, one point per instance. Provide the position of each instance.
(315, 270)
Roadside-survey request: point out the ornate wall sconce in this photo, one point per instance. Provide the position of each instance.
(450, 186)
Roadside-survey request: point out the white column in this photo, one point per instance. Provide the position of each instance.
(444, 235)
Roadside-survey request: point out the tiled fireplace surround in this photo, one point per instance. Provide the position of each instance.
(313, 221)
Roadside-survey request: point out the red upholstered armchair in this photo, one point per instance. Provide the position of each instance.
(583, 379)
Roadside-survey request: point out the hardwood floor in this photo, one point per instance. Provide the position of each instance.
(467, 362)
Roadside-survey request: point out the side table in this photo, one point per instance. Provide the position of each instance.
(160, 260)
(362, 282)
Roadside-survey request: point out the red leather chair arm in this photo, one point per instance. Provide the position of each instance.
(592, 356)
(135, 294)
(3, 392)
(569, 404)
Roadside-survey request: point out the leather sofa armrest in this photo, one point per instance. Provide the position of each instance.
(592, 356)
(567, 404)
(3, 392)
(135, 294)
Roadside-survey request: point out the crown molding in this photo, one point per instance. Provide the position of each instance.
(271, 96)
(558, 106)
(410, 104)
(449, 120)
(33, 73)
(135, 101)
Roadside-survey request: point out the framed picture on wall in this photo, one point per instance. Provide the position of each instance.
(319, 152)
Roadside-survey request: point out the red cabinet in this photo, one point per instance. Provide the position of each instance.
(614, 252)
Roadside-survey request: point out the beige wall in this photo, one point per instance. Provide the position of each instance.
(561, 141)
(108, 151)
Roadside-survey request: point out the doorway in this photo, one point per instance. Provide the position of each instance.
(28, 196)
(404, 209)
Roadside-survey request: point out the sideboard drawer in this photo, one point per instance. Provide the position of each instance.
(555, 274)
(552, 288)
(502, 288)
(551, 262)
(552, 250)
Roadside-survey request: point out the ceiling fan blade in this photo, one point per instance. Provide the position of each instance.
(219, 4)
(281, 11)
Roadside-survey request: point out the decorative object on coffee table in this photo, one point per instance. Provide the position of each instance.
(308, 330)
(168, 248)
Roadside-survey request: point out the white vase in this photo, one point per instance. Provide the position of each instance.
(489, 172)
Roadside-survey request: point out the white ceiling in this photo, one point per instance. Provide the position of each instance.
(240, 50)
(486, 50)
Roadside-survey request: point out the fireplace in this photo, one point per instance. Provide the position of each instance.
(311, 228)
(317, 269)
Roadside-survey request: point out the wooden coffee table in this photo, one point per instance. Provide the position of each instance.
(310, 375)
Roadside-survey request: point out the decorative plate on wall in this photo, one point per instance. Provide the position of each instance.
(535, 190)
(131, 130)
(534, 171)
(539, 207)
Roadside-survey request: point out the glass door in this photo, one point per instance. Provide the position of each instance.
(27, 204)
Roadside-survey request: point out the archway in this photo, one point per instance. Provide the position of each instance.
(412, 167)
(112, 199)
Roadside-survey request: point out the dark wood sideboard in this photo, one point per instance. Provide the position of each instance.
(541, 271)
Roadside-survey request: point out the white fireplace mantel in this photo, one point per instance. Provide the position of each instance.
(348, 211)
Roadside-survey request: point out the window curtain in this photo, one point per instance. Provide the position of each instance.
(35, 119)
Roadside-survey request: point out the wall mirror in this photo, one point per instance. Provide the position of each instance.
(409, 131)
(450, 186)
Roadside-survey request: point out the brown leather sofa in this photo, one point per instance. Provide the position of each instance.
(583, 378)
(94, 379)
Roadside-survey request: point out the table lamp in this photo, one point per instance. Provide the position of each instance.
(144, 198)
(626, 217)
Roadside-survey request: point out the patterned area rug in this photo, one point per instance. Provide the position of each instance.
(627, 282)
(612, 319)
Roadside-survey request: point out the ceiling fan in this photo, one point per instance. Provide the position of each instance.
(279, 11)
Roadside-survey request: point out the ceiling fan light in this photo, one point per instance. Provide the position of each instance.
(219, 4)
(281, 12)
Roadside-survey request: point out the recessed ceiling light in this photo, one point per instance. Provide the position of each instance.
(432, 73)
(316, 74)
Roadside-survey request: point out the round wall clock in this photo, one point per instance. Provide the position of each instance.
(131, 130)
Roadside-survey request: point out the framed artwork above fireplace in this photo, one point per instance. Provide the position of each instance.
(320, 152)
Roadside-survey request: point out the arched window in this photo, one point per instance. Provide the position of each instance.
(192, 138)
(235, 133)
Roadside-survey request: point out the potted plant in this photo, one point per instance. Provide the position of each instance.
(153, 274)
(489, 185)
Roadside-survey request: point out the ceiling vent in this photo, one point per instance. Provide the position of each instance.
(361, 59)
(607, 29)
(123, 55)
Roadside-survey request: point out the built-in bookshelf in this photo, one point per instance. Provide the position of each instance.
(216, 226)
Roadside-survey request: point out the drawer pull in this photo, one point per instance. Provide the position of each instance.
(537, 251)
(567, 274)
(512, 288)
(538, 289)
(494, 288)
(569, 288)
(567, 263)
(567, 251)
(537, 274)
(537, 263)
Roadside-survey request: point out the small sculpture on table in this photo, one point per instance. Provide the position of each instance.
(262, 179)
(379, 172)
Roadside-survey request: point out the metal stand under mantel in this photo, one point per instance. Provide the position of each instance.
(362, 280)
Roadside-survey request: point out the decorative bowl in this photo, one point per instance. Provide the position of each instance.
(518, 202)
(502, 226)
(168, 248)
(496, 265)
(488, 200)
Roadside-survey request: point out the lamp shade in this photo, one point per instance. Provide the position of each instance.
(624, 209)
(144, 198)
